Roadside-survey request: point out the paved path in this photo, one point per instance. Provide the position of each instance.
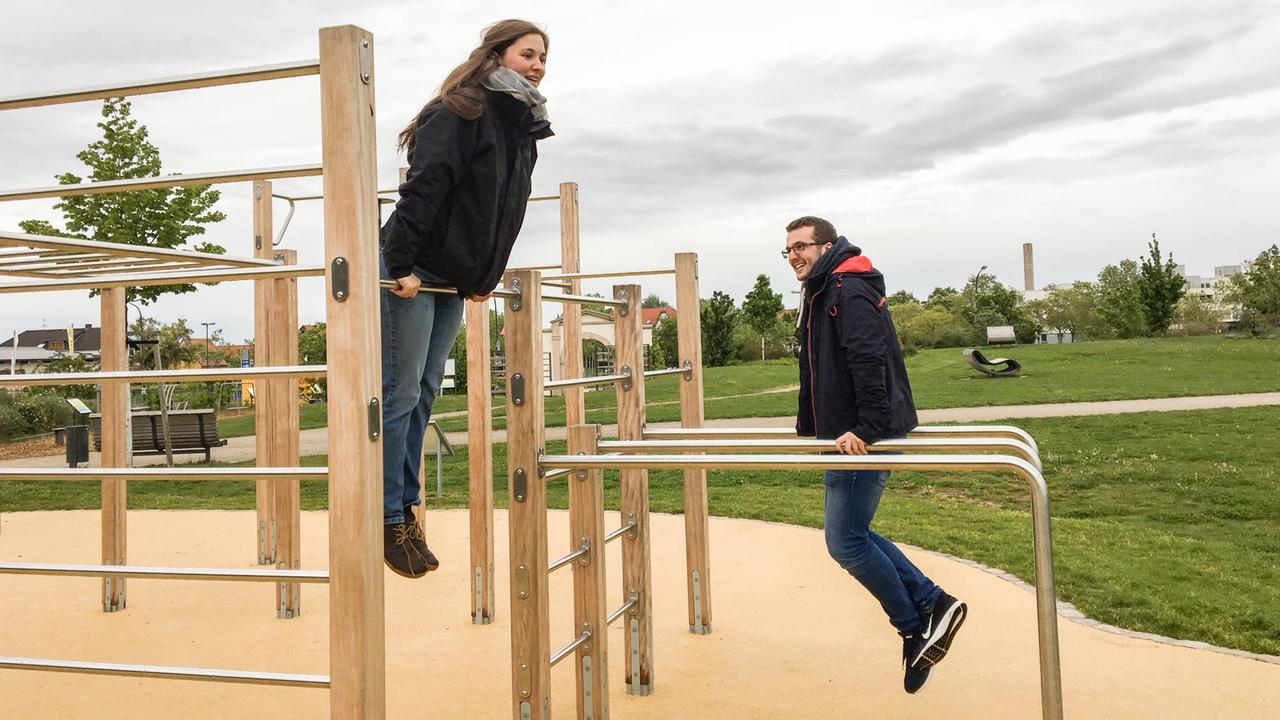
(315, 442)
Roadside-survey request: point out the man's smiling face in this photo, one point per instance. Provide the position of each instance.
(803, 252)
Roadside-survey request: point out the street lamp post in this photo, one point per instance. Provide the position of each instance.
(973, 302)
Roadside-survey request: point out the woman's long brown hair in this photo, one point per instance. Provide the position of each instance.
(461, 91)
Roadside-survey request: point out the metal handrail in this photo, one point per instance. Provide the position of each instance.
(168, 376)
(244, 677)
(1042, 539)
(584, 300)
(162, 473)
(181, 82)
(593, 380)
(794, 445)
(557, 472)
(162, 181)
(623, 530)
(201, 275)
(565, 651)
(614, 274)
(41, 243)
(1007, 431)
(685, 369)
(558, 563)
(166, 573)
(630, 603)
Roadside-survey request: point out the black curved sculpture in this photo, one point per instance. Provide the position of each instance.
(995, 367)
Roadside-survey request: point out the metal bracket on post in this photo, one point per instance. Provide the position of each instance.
(625, 310)
(698, 627)
(257, 241)
(584, 545)
(626, 378)
(634, 687)
(375, 419)
(366, 62)
(341, 283)
(517, 389)
(688, 370)
(634, 532)
(520, 483)
(586, 688)
(517, 302)
(479, 618)
(522, 582)
(278, 257)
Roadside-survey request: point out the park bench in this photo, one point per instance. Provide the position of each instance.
(190, 431)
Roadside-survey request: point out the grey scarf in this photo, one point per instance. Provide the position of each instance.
(506, 80)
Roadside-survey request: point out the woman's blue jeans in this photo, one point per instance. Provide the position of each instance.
(904, 592)
(417, 335)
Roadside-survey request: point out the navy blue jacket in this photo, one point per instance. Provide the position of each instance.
(463, 199)
(852, 377)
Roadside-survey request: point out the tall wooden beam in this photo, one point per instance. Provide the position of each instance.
(571, 328)
(637, 574)
(530, 618)
(586, 527)
(697, 540)
(480, 462)
(284, 421)
(356, 602)
(117, 435)
(262, 388)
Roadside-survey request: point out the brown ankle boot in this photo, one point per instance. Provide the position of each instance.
(404, 553)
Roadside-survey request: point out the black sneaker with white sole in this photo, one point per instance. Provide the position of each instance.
(941, 627)
(914, 675)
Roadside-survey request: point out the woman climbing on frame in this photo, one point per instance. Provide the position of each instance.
(471, 152)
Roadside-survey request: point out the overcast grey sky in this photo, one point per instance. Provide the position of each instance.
(938, 136)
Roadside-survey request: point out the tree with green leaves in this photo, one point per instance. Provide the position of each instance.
(719, 319)
(947, 298)
(986, 302)
(1120, 301)
(1075, 310)
(761, 306)
(1257, 292)
(902, 297)
(160, 218)
(666, 337)
(313, 350)
(653, 301)
(1160, 287)
(176, 349)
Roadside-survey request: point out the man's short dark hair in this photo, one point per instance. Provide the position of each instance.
(823, 231)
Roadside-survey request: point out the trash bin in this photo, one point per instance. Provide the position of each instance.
(77, 439)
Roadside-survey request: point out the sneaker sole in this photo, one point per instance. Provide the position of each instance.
(937, 646)
(926, 682)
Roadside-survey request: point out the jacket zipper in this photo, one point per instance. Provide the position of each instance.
(813, 400)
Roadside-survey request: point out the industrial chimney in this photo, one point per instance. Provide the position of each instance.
(1028, 268)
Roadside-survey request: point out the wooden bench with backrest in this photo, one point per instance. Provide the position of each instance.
(190, 431)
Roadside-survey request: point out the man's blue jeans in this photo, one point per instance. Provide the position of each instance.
(417, 335)
(904, 592)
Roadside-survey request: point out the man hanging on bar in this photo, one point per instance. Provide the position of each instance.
(854, 391)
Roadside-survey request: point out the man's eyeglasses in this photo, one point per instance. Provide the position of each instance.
(798, 247)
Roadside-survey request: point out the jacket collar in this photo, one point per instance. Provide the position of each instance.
(840, 251)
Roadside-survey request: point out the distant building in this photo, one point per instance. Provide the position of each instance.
(87, 339)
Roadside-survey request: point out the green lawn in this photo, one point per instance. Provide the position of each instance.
(1163, 522)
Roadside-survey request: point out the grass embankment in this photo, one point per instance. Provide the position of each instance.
(1163, 522)
(1107, 370)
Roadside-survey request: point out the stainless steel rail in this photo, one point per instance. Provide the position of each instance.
(593, 380)
(565, 651)
(167, 376)
(957, 431)
(620, 532)
(584, 300)
(630, 603)
(162, 473)
(553, 474)
(807, 445)
(561, 562)
(614, 274)
(166, 573)
(497, 292)
(199, 275)
(244, 677)
(169, 84)
(1046, 602)
(51, 248)
(162, 181)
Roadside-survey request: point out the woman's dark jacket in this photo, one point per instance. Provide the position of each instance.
(463, 199)
(852, 378)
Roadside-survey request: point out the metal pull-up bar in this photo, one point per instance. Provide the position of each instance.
(793, 445)
(162, 181)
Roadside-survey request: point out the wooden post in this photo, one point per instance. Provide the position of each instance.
(263, 230)
(636, 570)
(117, 437)
(530, 617)
(571, 329)
(480, 462)
(357, 643)
(697, 545)
(284, 422)
(586, 526)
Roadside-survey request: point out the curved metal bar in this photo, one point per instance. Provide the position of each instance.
(807, 445)
(244, 677)
(168, 376)
(285, 225)
(199, 472)
(959, 431)
(199, 275)
(166, 573)
(181, 82)
(1042, 539)
(565, 651)
(162, 181)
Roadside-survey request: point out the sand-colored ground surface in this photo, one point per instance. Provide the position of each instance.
(794, 637)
